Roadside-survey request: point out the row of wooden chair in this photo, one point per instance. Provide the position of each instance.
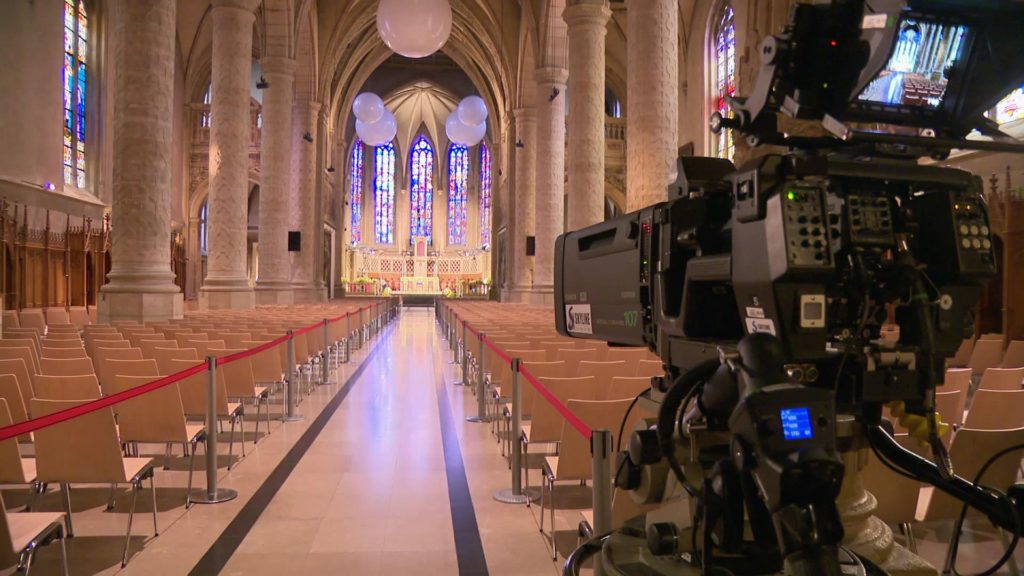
(41, 318)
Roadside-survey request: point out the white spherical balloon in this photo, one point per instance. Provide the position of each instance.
(368, 107)
(379, 132)
(475, 133)
(414, 28)
(472, 110)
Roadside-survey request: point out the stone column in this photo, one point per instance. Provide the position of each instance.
(227, 282)
(302, 208)
(587, 24)
(141, 284)
(549, 209)
(274, 283)
(652, 110)
(524, 202)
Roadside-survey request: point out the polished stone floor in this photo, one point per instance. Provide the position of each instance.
(378, 491)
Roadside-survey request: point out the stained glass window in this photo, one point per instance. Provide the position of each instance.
(724, 77)
(204, 119)
(204, 229)
(458, 180)
(485, 196)
(355, 178)
(76, 51)
(384, 194)
(1011, 108)
(421, 193)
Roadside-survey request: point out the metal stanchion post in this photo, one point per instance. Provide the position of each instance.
(291, 386)
(325, 378)
(481, 386)
(451, 340)
(212, 494)
(348, 338)
(601, 449)
(515, 494)
(464, 359)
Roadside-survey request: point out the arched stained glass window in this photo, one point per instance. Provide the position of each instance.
(1011, 108)
(76, 51)
(458, 180)
(204, 228)
(355, 195)
(204, 119)
(384, 194)
(723, 72)
(485, 196)
(421, 192)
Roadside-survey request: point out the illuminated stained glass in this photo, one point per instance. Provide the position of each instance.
(204, 120)
(485, 196)
(724, 84)
(384, 194)
(204, 229)
(458, 180)
(75, 90)
(421, 193)
(355, 178)
(1011, 108)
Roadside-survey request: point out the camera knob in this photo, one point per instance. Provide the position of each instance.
(663, 539)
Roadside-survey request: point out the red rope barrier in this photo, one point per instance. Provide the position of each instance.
(34, 424)
(557, 404)
(501, 353)
(470, 328)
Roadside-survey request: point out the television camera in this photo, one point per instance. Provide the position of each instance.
(765, 288)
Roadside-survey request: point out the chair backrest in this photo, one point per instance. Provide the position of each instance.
(157, 416)
(92, 341)
(20, 344)
(1002, 379)
(626, 387)
(1014, 355)
(11, 470)
(204, 348)
(165, 355)
(552, 347)
(56, 333)
(149, 346)
(24, 334)
(991, 336)
(103, 355)
(194, 389)
(32, 318)
(632, 356)
(63, 353)
(56, 342)
(57, 316)
(649, 368)
(574, 454)
(996, 410)
(84, 449)
(969, 451)
(185, 339)
(10, 319)
(950, 406)
(986, 354)
(603, 373)
(957, 379)
(266, 365)
(573, 357)
(546, 422)
(897, 495)
(236, 376)
(84, 387)
(66, 366)
(10, 393)
(79, 316)
(18, 368)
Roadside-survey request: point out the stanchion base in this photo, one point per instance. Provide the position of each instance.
(204, 497)
(329, 383)
(508, 496)
(296, 418)
(480, 419)
(459, 383)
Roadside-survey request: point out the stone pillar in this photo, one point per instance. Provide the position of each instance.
(587, 24)
(141, 284)
(549, 209)
(302, 208)
(524, 202)
(652, 110)
(227, 282)
(274, 283)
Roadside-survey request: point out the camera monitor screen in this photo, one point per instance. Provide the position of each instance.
(916, 72)
(796, 423)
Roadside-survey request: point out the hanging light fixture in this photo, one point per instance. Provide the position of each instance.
(414, 28)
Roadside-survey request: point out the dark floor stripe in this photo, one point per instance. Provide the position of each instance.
(468, 547)
(216, 558)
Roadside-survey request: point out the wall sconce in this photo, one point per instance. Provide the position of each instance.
(262, 84)
(307, 137)
(330, 169)
(554, 94)
(519, 144)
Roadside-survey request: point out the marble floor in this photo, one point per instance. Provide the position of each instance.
(390, 480)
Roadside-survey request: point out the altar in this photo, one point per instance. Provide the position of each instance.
(420, 285)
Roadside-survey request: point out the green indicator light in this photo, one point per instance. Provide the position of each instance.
(791, 195)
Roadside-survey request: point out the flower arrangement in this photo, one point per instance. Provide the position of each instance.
(448, 293)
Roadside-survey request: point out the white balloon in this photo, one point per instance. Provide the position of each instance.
(368, 107)
(472, 110)
(414, 28)
(379, 132)
(460, 133)
(475, 133)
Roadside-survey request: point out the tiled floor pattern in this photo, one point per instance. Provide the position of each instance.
(370, 497)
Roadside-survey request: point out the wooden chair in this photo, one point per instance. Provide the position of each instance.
(147, 368)
(57, 333)
(10, 392)
(84, 387)
(603, 373)
(22, 534)
(157, 417)
(164, 355)
(632, 356)
(102, 355)
(1014, 355)
(986, 354)
(26, 378)
(992, 336)
(241, 384)
(79, 316)
(626, 387)
(897, 495)
(32, 318)
(195, 400)
(649, 368)
(62, 342)
(10, 319)
(57, 316)
(545, 426)
(573, 357)
(86, 450)
(950, 406)
(574, 461)
(996, 410)
(957, 379)
(266, 366)
(11, 349)
(14, 469)
(63, 353)
(1002, 379)
(24, 334)
(66, 367)
(148, 346)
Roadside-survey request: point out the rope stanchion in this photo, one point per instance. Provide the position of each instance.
(326, 362)
(515, 494)
(481, 384)
(558, 405)
(212, 494)
(461, 351)
(291, 386)
(601, 492)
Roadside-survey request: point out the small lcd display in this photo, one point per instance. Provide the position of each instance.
(796, 423)
(916, 73)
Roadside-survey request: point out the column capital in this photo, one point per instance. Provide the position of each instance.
(277, 66)
(586, 14)
(246, 5)
(310, 106)
(525, 114)
(551, 76)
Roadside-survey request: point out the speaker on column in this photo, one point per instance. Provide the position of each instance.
(531, 246)
(294, 241)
